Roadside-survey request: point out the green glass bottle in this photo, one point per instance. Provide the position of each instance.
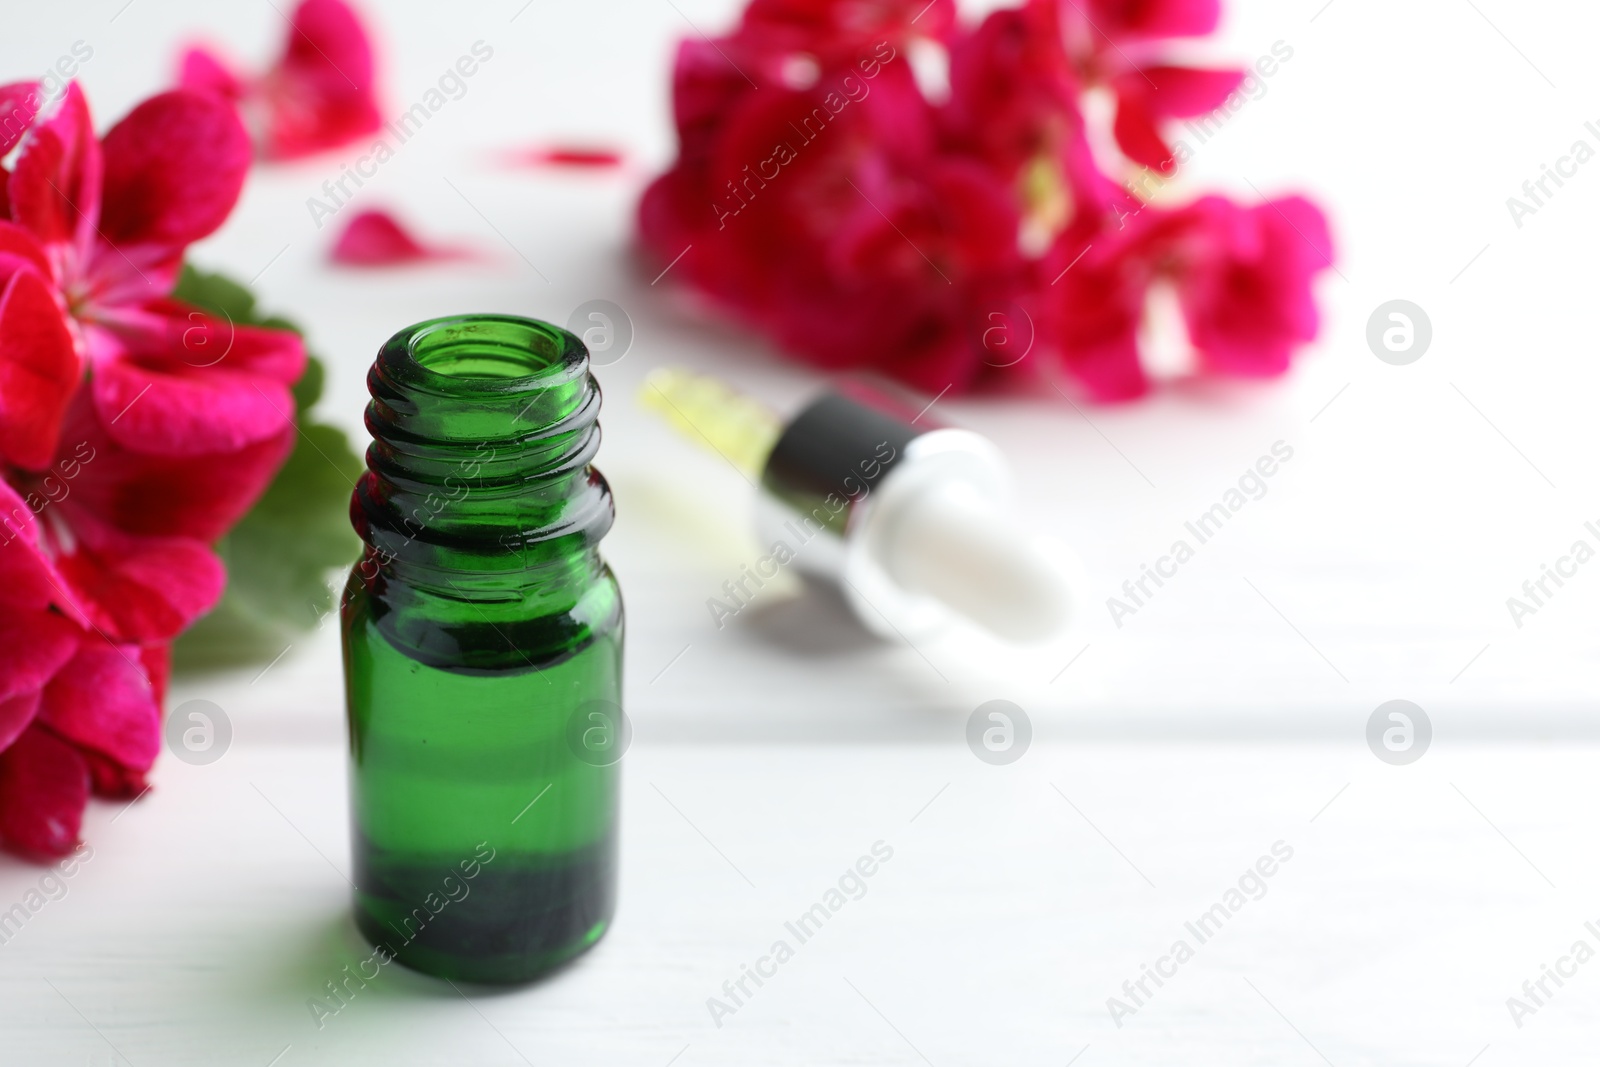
(482, 652)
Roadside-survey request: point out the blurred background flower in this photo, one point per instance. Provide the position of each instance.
(878, 185)
(319, 95)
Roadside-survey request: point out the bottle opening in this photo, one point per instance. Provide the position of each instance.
(479, 379)
(481, 348)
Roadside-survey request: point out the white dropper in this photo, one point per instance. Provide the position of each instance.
(915, 524)
(949, 544)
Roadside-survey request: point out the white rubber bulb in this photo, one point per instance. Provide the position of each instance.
(949, 543)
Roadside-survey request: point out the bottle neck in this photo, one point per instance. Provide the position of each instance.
(479, 484)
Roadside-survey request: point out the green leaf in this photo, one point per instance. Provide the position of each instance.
(308, 390)
(219, 295)
(280, 554)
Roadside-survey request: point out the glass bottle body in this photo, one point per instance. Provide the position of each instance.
(483, 642)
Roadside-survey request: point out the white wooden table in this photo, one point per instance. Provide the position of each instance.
(1169, 754)
(1017, 901)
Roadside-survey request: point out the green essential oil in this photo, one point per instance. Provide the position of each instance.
(483, 655)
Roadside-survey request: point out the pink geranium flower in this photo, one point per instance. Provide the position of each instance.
(319, 95)
(1243, 277)
(1014, 104)
(95, 242)
(887, 246)
(832, 191)
(78, 712)
(134, 431)
(1117, 43)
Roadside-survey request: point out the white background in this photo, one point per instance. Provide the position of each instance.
(1224, 716)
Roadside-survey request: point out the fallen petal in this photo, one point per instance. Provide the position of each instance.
(564, 156)
(377, 239)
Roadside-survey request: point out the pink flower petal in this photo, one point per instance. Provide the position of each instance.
(1096, 302)
(17, 714)
(197, 496)
(33, 646)
(136, 588)
(173, 171)
(705, 88)
(44, 786)
(109, 777)
(26, 577)
(103, 701)
(19, 103)
(20, 250)
(113, 780)
(580, 156)
(186, 339)
(39, 370)
(156, 662)
(1139, 136)
(329, 41)
(119, 781)
(1145, 96)
(1244, 277)
(55, 188)
(1134, 19)
(320, 95)
(202, 69)
(1313, 238)
(1182, 92)
(843, 30)
(164, 407)
(377, 239)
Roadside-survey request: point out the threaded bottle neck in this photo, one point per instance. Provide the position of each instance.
(479, 484)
